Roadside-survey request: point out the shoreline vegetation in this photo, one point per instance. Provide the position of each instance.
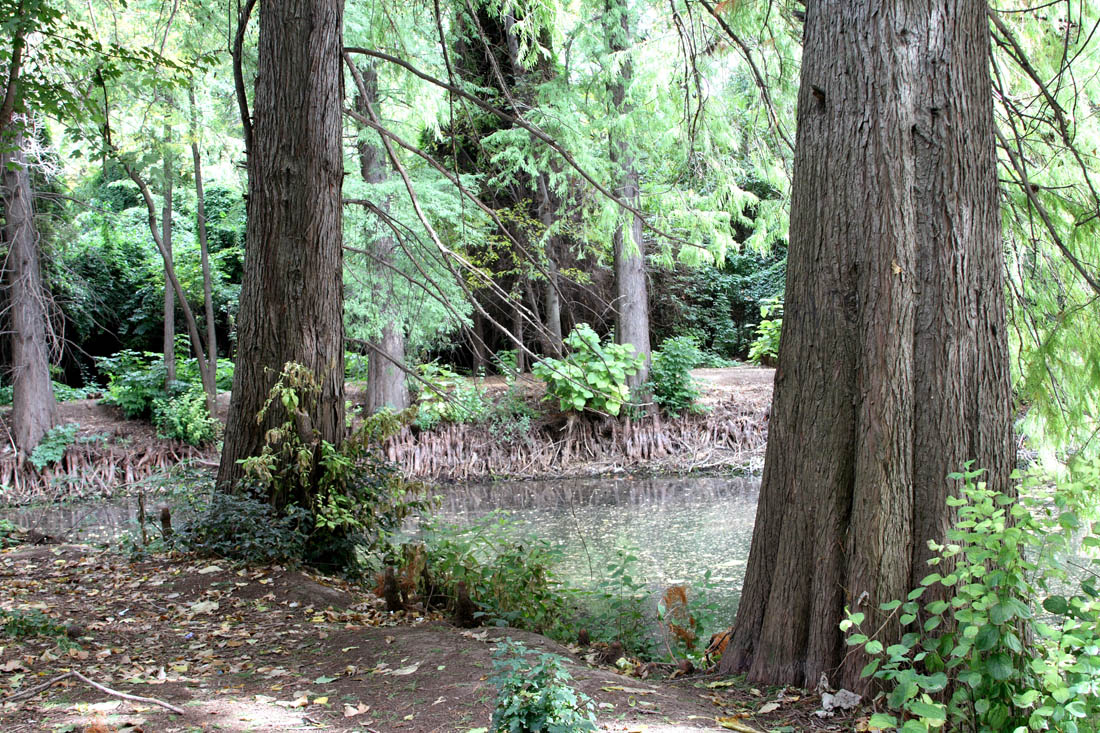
(110, 454)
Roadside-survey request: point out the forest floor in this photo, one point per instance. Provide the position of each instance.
(266, 649)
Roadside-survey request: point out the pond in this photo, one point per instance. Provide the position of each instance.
(678, 527)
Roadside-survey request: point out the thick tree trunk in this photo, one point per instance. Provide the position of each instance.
(893, 365)
(631, 298)
(33, 405)
(291, 306)
(386, 385)
(166, 237)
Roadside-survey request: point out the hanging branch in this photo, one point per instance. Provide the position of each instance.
(1015, 51)
(769, 105)
(535, 131)
(1044, 216)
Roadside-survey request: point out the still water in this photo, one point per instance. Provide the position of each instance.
(679, 528)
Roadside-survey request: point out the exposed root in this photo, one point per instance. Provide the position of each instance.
(725, 437)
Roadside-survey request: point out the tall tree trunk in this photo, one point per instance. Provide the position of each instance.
(33, 406)
(386, 385)
(551, 288)
(210, 373)
(166, 237)
(893, 364)
(291, 305)
(631, 299)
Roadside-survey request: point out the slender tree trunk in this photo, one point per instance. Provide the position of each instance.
(551, 288)
(291, 306)
(481, 358)
(517, 332)
(893, 366)
(386, 385)
(166, 237)
(632, 300)
(210, 368)
(33, 406)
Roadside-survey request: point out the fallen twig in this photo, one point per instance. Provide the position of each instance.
(124, 695)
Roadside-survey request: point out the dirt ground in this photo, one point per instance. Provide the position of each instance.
(269, 649)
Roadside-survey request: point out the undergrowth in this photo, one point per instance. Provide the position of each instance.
(1016, 647)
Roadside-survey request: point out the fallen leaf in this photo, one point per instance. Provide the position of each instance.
(323, 680)
(768, 707)
(735, 724)
(632, 690)
(351, 712)
(404, 670)
(210, 569)
(202, 607)
(721, 683)
(320, 701)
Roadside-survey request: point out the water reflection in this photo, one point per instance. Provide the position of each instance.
(85, 522)
(678, 527)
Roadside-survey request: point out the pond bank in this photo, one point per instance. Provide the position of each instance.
(113, 455)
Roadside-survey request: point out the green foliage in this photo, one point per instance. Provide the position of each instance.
(511, 579)
(1005, 663)
(245, 528)
(593, 376)
(8, 533)
(719, 305)
(61, 392)
(355, 500)
(669, 375)
(535, 694)
(447, 397)
(51, 448)
(184, 416)
(134, 381)
(356, 366)
(22, 624)
(615, 609)
(765, 349)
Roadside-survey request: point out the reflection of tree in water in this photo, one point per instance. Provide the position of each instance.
(478, 499)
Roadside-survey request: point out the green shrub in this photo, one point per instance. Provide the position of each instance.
(22, 624)
(51, 448)
(246, 528)
(535, 693)
(511, 579)
(356, 366)
(134, 380)
(670, 378)
(355, 500)
(593, 376)
(1004, 662)
(765, 349)
(447, 397)
(185, 417)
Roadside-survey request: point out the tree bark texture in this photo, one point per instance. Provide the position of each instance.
(386, 385)
(893, 364)
(631, 299)
(33, 406)
(291, 305)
